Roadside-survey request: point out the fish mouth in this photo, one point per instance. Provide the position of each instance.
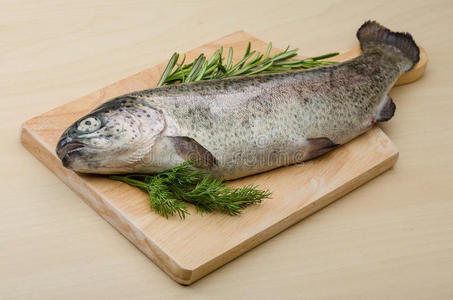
(65, 148)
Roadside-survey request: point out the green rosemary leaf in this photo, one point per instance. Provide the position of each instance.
(196, 67)
(213, 57)
(168, 68)
(284, 55)
(247, 52)
(222, 69)
(241, 62)
(268, 50)
(329, 55)
(261, 69)
(230, 58)
(202, 71)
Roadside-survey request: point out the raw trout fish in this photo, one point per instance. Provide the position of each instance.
(245, 125)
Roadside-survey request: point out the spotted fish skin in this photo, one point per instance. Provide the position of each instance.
(245, 125)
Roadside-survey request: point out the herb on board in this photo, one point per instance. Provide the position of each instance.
(253, 62)
(167, 191)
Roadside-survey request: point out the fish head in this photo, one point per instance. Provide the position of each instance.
(114, 138)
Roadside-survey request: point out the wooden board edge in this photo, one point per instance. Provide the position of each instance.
(112, 215)
(292, 219)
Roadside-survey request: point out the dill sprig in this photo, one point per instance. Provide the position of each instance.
(252, 62)
(167, 191)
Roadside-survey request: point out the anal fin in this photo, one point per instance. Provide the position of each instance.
(386, 109)
(319, 146)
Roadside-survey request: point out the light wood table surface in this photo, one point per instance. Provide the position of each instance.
(391, 238)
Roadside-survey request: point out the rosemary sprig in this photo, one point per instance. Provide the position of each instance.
(168, 190)
(252, 62)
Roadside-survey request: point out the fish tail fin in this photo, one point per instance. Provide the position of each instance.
(372, 34)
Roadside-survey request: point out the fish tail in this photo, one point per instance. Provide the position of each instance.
(372, 34)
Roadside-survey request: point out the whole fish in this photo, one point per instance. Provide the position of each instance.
(245, 125)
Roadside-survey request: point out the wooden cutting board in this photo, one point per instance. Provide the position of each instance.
(189, 249)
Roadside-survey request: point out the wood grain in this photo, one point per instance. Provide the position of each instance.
(188, 250)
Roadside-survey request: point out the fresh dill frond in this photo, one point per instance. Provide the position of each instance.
(169, 190)
(252, 62)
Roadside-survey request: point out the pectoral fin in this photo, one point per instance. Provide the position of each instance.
(319, 146)
(190, 150)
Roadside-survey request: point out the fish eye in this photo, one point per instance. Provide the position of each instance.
(89, 125)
